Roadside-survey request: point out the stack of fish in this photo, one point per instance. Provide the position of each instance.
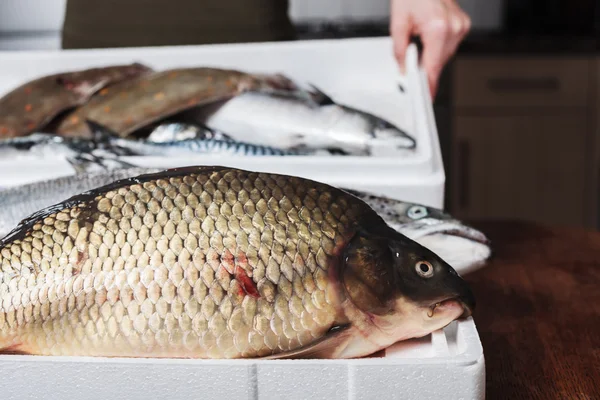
(192, 110)
(210, 261)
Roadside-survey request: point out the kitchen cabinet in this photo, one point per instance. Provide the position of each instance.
(521, 167)
(523, 139)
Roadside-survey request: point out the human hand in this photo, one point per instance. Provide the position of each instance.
(441, 24)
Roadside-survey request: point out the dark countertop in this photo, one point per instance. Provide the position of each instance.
(538, 312)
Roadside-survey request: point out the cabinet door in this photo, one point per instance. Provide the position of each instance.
(509, 83)
(525, 167)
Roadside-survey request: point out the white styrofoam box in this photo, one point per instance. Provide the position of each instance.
(31, 15)
(359, 72)
(34, 41)
(307, 10)
(484, 14)
(449, 364)
(367, 10)
(330, 10)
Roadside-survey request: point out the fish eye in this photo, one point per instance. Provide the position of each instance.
(424, 269)
(417, 212)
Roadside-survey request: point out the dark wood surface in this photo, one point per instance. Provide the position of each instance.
(538, 312)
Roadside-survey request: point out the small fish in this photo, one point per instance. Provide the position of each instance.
(201, 146)
(176, 131)
(31, 106)
(216, 262)
(462, 246)
(41, 145)
(288, 121)
(144, 147)
(133, 105)
(84, 155)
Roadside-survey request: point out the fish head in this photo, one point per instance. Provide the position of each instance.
(401, 288)
(387, 135)
(461, 245)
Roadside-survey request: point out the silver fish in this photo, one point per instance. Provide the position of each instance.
(292, 122)
(464, 247)
(144, 147)
(175, 131)
(38, 144)
(199, 146)
(83, 154)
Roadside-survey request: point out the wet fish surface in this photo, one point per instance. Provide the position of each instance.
(291, 122)
(462, 246)
(214, 262)
(129, 106)
(34, 104)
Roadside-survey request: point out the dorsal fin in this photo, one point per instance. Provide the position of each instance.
(100, 133)
(320, 97)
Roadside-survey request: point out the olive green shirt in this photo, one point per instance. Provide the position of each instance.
(126, 23)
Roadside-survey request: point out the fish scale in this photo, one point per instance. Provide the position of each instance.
(166, 267)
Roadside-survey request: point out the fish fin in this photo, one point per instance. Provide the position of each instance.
(13, 349)
(320, 97)
(79, 164)
(85, 163)
(100, 133)
(324, 347)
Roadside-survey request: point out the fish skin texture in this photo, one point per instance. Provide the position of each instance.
(128, 106)
(34, 104)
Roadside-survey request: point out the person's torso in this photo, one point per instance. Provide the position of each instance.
(119, 23)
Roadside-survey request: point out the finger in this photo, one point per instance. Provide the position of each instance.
(400, 30)
(435, 35)
(401, 38)
(460, 22)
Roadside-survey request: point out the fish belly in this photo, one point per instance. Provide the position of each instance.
(223, 264)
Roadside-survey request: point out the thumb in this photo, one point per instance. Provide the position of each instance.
(435, 38)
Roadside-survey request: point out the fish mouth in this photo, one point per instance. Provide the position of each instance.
(434, 226)
(462, 231)
(450, 304)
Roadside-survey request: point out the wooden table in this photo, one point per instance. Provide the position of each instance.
(538, 312)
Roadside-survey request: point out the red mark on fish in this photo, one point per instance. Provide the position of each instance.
(246, 282)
